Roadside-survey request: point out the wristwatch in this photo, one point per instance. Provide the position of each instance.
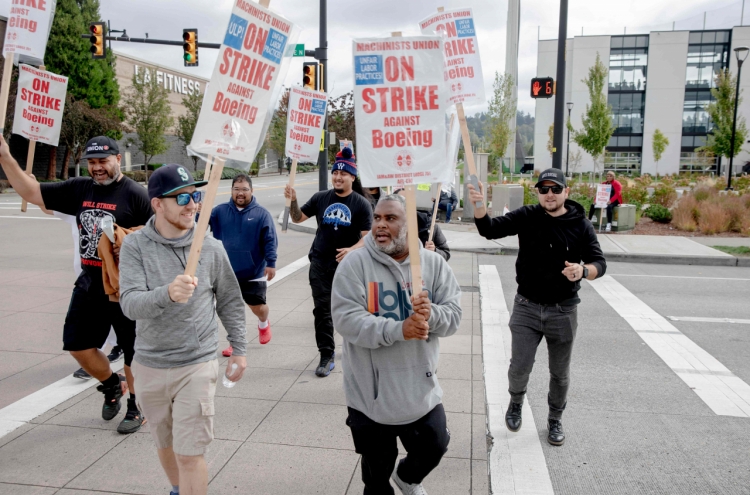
(585, 272)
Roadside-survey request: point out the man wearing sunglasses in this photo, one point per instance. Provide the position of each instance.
(106, 193)
(557, 249)
(175, 364)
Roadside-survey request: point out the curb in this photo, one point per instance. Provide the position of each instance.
(301, 227)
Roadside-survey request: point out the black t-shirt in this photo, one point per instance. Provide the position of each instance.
(341, 222)
(125, 201)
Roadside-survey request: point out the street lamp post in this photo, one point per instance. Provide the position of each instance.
(567, 158)
(741, 54)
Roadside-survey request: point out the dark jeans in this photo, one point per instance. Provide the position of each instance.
(528, 324)
(425, 440)
(321, 282)
(610, 211)
(448, 207)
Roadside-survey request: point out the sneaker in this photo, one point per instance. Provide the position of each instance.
(608, 228)
(407, 488)
(227, 352)
(115, 354)
(326, 365)
(82, 374)
(112, 396)
(133, 420)
(556, 436)
(264, 334)
(513, 418)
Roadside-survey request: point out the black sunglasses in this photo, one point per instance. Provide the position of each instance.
(184, 198)
(555, 189)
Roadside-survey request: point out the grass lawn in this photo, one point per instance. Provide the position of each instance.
(735, 250)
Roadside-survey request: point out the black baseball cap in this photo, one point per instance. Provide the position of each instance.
(553, 175)
(101, 147)
(169, 178)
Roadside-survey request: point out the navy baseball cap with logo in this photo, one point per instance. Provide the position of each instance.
(553, 175)
(101, 147)
(169, 178)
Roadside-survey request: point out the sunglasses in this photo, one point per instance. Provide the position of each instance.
(184, 198)
(546, 189)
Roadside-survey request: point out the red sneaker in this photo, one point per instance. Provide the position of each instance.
(264, 334)
(227, 352)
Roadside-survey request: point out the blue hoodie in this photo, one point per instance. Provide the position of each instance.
(249, 238)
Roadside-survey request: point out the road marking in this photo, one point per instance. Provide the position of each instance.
(32, 406)
(31, 218)
(516, 460)
(709, 320)
(722, 391)
(676, 276)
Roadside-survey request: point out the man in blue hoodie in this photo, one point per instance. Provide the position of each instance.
(249, 236)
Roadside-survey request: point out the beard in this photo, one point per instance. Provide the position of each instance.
(111, 177)
(397, 245)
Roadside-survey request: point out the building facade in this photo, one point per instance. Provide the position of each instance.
(661, 80)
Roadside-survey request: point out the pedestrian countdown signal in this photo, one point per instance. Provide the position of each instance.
(542, 87)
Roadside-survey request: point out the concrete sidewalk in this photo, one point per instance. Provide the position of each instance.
(670, 250)
(281, 430)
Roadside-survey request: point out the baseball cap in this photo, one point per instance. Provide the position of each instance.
(169, 178)
(553, 175)
(101, 147)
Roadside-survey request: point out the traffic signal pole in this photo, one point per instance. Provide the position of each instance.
(321, 54)
(557, 137)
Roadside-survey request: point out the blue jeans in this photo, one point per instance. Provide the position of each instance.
(447, 206)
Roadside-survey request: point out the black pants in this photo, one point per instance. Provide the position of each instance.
(321, 282)
(610, 211)
(425, 440)
(528, 324)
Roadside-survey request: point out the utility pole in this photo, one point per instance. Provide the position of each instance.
(557, 138)
(321, 55)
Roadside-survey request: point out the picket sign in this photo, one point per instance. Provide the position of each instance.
(5, 90)
(288, 207)
(208, 202)
(30, 160)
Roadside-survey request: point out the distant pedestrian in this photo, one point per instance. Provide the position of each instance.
(558, 249)
(175, 363)
(391, 352)
(615, 199)
(448, 203)
(344, 218)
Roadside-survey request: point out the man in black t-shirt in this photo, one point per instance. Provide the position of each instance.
(344, 218)
(106, 194)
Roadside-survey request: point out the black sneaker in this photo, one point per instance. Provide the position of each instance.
(82, 374)
(556, 436)
(112, 396)
(133, 419)
(326, 365)
(513, 416)
(115, 354)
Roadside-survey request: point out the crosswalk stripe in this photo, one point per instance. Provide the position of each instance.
(709, 320)
(719, 388)
(515, 460)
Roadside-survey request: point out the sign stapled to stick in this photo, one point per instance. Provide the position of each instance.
(245, 85)
(40, 102)
(603, 192)
(304, 124)
(463, 67)
(400, 103)
(28, 28)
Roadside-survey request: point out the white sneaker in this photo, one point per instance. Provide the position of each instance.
(406, 488)
(608, 228)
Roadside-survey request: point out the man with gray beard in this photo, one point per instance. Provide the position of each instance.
(391, 351)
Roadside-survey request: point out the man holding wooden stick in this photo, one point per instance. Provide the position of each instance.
(106, 194)
(391, 351)
(344, 218)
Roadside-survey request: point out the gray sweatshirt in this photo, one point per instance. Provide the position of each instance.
(168, 334)
(391, 380)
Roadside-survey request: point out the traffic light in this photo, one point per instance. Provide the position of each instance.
(310, 75)
(97, 40)
(542, 87)
(190, 36)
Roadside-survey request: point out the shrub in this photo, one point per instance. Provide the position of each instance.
(583, 200)
(685, 214)
(636, 194)
(703, 192)
(198, 174)
(713, 218)
(738, 214)
(530, 196)
(658, 213)
(664, 195)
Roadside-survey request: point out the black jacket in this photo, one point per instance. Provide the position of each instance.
(424, 220)
(545, 244)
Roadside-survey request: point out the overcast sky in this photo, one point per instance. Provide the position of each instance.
(349, 19)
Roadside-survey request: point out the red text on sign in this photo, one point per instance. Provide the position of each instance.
(400, 139)
(246, 69)
(464, 46)
(398, 99)
(233, 108)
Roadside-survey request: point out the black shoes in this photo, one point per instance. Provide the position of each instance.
(513, 416)
(82, 374)
(556, 436)
(133, 419)
(326, 365)
(112, 396)
(115, 354)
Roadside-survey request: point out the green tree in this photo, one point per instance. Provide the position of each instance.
(597, 120)
(721, 111)
(502, 109)
(660, 143)
(148, 114)
(186, 122)
(277, 130)
(341, 121)
(551, 139)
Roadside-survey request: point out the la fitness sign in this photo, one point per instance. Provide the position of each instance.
(172, 82)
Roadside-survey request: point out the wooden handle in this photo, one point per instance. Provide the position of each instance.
(410, 194)
(468, 153)
(5, 90)
(292, 175)
(202, 226)
(29, 169)
(434, 211)
(207, 172)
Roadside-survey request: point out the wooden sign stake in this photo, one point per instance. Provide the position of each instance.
(5, 90)
(209, 163)
(435, 210)
(202, 226)
(30, 160)
(287, 208)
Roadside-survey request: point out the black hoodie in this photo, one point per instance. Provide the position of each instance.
(545, 244)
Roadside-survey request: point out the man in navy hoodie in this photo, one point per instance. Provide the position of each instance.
(249, 236)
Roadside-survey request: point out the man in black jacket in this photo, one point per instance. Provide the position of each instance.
(557, 249)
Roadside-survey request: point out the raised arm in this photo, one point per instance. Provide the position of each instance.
(26, 187)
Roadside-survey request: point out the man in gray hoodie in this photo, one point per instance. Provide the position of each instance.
(177, 334)
(391, 351)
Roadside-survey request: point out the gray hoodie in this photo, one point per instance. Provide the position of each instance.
(391, 380)
(168, 334)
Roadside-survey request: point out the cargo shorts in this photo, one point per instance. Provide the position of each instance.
(178, 404)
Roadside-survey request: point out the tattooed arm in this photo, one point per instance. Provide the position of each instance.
(294, 210)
